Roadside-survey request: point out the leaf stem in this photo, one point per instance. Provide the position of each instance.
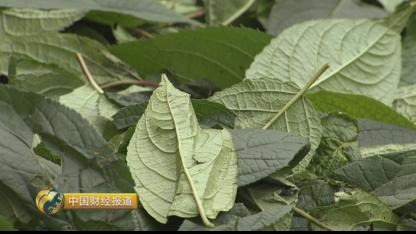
(297, 96)
(311, 219)
(130, 82)
(87, 73)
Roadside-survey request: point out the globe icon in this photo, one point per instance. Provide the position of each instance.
(50, 201)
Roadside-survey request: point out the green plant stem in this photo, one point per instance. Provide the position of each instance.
(87, 73)
(298, 96)
(311, 219)
(130, 82)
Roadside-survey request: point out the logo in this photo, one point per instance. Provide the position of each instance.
(50, 201)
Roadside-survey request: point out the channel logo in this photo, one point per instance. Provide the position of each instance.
(51, 201)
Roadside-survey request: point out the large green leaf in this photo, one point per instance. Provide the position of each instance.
(286, 13)
(87, 162)
(357, 210)
(226, 11)
(144, 9)
(261, 153)
(388, 172)
(338, 146)
(256, 102)
(364, 55)
(357, 106)
(405, 102)
(180, 169)
(218, 54)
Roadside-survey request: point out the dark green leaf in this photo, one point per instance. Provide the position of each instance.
(338, 146)
(391, 176)
(218, 54)
(359, 107)
(261, 153)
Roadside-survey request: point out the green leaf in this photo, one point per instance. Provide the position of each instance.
(261, 153)
(357, 106)
(338, 146)
(60, 50)
(45, 79)
(373, 133)
(388, 172)
(129, 116)
(224, 12)
(273, 196)
(286, 13)
(132, 96)
(180, 169)
(391, 5)
(356, 210)
(5, 225)
(211, 114)
(26, 22)
(92, 105)
(242, 219)
(313, 193)
(405, 102)
(256, 102)
(218, 54)
(409, 54)
(364, 55)
(88, 164)
(145, 9)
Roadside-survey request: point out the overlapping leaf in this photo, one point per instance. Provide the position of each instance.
(87, 163)
(338, 146)
(256, 102)
(365, 56)
(220, 55)
(357, 210)
(180, 169)
(388, 172)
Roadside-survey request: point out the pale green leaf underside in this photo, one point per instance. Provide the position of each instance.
(226, 11)
(59, 50)
(365, 57)
(91, 105)
(355, 210)
(166, 138)
(256, 102)
(25, 22)
(145, 9)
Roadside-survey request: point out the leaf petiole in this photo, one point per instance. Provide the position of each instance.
(297, 96)
(87, 73)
